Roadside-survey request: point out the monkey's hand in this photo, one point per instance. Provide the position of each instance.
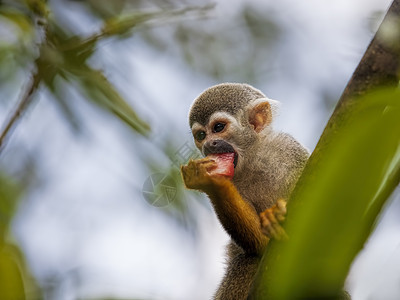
(271, 220)
(196, 174)
(238, 216)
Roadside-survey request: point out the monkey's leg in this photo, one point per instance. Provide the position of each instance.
(271, 220)
(237, 216)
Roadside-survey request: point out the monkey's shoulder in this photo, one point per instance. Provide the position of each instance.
(286, 148)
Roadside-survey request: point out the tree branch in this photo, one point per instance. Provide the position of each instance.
(19, 110)
(39, 19)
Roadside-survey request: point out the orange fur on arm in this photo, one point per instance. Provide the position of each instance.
(238, 217)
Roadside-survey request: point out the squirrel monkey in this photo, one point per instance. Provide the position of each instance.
(247, 171)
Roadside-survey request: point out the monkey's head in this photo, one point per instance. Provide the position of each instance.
(231, 117)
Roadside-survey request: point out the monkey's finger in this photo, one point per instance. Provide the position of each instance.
(270, 224)
(282, 235)
(274, 231)
(281, 206)
(205, 160)
(265, 220)
(268, 230)
(190, 174)
(279, 210)
(183, 172)
(266, 225)
(189, 163)
(190, 167)
(206, 166)
(194, 164)
(280, 217)
(271, 216)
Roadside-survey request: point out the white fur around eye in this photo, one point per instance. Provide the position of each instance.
(222, 116)
(196, 127)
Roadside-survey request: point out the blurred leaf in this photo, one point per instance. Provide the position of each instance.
(336, 205)
(103, 93)
(21, 20)
(58, 88)
(209, 47)
(11, 283)
(9, 194)
(15, 277)
(67, 57)
(16, 43)
(38, 7)
(105, 8)
(262, 28)
(121, 25)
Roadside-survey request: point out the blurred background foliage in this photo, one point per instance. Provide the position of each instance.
(91, 66)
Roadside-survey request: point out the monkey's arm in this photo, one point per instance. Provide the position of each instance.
(238, 217)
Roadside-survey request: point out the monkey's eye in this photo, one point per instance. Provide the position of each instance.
(218, 127)
(200, 135)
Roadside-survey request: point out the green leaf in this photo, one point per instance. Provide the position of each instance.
(11, 282)
(9, 194)
(58, 87)
(67, 57)
(11, 276)
(38, 7)
(336, 205)
(22, 21)
(103, 93)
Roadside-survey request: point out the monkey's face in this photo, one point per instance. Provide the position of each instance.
(223, 134)
(231, 118)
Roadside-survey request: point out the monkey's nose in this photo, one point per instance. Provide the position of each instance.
(217, 146)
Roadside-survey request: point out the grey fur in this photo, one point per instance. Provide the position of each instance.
(268, 167)
(228, 97)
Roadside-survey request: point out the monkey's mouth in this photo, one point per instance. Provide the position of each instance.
(221, 147)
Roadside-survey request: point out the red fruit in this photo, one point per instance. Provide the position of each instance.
(225, 164)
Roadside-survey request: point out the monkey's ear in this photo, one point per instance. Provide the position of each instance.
(261, 112)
